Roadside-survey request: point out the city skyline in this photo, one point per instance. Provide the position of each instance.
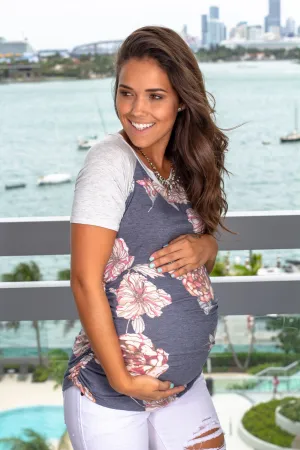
(62, 26)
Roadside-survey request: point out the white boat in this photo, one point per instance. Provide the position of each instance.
(54, 178)
(87, 143)
(295, 135)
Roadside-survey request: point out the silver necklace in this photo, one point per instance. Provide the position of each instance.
(168, 183)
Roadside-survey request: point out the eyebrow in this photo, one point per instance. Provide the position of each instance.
(147, 90)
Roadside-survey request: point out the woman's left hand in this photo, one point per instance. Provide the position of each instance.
(186, 253)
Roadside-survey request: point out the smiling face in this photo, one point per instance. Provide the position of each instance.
(147, 104)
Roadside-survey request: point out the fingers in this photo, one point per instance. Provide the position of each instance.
(164, 385)
(163, 264)
(171, 248)
(166, 388)
(169, 392)
(184, 270)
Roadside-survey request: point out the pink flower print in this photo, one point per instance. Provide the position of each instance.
(82, 344)
(175, 195)
(156, 404)
(198, 284)
(148, 184)
(118, 262)
(195, 220)
(141, 357)
(74, 373)
(137, 296)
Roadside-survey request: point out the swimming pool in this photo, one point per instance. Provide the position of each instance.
(46, 420)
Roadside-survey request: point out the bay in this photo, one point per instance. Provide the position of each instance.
(40, 122)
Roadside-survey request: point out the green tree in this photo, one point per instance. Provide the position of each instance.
(63, 275)
(58, 362)
(288, 338)
(26, 272)
(223, 268)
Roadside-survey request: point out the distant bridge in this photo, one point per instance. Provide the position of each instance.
(97, 48)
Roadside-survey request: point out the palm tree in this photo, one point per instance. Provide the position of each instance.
(26, 272)
(64, 275)
(36, 441)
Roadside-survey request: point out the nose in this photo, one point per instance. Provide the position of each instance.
(139, 107)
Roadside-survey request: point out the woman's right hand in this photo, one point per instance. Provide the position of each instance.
(145, 387)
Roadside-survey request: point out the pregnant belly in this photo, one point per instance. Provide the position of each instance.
(172, 347)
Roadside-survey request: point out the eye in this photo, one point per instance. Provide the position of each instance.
(156, 97)
(124, 93)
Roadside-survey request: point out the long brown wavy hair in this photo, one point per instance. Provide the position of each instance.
(196, 146)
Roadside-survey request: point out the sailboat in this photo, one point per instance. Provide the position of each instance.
(295, 135)
(87, 142)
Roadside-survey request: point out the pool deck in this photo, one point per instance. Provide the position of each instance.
(230, 406)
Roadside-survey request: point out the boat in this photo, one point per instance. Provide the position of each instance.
(55, 178)
(87, 142)
(266, 142)
(15, 186)
(295, 135)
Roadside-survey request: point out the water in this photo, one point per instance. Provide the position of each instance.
(47, 420)
(40, 122)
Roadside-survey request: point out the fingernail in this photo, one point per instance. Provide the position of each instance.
(159, 270)
(171, 385)
(152, 265)
(151, 258)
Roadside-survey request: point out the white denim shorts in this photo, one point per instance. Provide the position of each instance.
(188, 423)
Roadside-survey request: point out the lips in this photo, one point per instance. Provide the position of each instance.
(143, 130)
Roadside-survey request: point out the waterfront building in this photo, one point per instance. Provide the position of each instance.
(254, 33)
(97, 48)
(241, 30)
(14, 48)
(216, 33)
(263, 44)
(214, 13)
(215, 29)
(44, 54)
(204, 30)
(290, 27)
(274, 17)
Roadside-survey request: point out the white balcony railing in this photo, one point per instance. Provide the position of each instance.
(50, 300)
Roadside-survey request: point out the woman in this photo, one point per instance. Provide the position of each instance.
(147, 204)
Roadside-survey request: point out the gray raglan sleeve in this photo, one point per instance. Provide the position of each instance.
(103, 185)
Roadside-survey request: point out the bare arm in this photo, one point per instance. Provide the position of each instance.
(91, 247)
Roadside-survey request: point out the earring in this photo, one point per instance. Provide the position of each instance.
(179, 109)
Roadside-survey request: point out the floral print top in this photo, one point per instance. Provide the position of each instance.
(166, 326)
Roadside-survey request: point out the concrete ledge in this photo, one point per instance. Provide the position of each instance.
(286, 424)
(255, 443)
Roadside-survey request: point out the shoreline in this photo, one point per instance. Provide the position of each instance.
(101, 77)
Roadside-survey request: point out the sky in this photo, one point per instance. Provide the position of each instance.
(65, 23)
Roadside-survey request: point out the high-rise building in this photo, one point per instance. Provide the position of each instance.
(216, 32)
(214, 12)
(290, 27)
(273, 20)
(204, 29)
(254, 33)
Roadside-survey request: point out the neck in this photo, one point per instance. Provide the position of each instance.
(156, 153)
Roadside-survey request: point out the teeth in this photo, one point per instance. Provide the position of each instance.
(142, 126)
